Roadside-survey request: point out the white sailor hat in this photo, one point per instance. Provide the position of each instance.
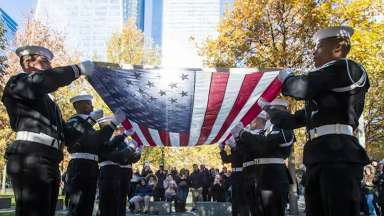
(262, 115)
(83, 96)
(337, 31)
(279, 102)
(34, 50)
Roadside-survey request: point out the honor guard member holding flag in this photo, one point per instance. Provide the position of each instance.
(110, 184)
(34, 156)
(334, 96)
(270, 150)
(236, 158)
(126, 173)
(257, 126)
(83, 169)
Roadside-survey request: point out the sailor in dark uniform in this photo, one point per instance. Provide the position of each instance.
(126, 175)
(239, 199)
(334, 96)
(250, 178)
(83, 169)
(34, 156)
(110, 184)
(271, 149)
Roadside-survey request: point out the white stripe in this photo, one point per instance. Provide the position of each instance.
(264, 82)
(139, 133)
(202, 85)
(235, 81)
(155, 137)
(286, 144)
(174, 138)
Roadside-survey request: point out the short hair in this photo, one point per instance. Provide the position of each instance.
(344, 42)
(25, 58)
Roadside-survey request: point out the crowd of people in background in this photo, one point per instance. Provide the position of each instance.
(174, 186)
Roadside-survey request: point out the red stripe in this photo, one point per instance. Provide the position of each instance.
(128, 126)
(215, 99)
(184, 139)
(269, 95)
(164, 136)
(147, 135)
(249, 83)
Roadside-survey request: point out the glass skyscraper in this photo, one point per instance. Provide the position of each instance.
(87, 25)
(10, 26)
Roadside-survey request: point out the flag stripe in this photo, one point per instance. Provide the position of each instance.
(269, 94)
(184, 138)
(247, 91)
(155, 137)
(139, 133)
(215, 99)
(265, 81)
(164, 136)
(175, 139)
(128, 126)
(147, 135)
(202, 84)
(234, 84)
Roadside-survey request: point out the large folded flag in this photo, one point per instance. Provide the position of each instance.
(184, 107)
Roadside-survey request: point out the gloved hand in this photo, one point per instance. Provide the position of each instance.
(118, 117)
(221, 146)
(131, 144)
(86, 67)
(231, 142)
(128, 132)
(235, 131)
(283, 74)
(97, 114)
(140, 149)
(262, 103)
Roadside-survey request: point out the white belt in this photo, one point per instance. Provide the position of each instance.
(106, 163)
(86, 156)
(331, 129)
(126, 166)
(39, 138)
(262, 161)
(237, 169)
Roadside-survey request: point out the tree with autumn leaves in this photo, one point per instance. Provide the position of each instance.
(278, 34)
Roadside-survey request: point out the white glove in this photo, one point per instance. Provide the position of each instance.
(262, 102)
(86, 67)
(221, 146)
(283, 74)
(231, 142)
(140, 149)
(131, 144)
(128, 132)
(97, 114)
(235, 131)
(118, 117)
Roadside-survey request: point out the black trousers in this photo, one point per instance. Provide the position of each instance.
(205, 194)
(35, 181)
(126, 176)
(82, 183)
(333, 189)
(273, 201)
(159, 194)
(239, 200)
(110, 191)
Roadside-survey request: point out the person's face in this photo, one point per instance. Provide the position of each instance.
(195, 168)
(324, 52)
(258, 123)
(142, 182)
(169, 177)
(39, 63)
(84, 107)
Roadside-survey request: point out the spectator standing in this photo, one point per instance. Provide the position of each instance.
(170, 187)
(183, 189)
(195, 185)
(218, 189)
(159, 191)
(146, 170)
(207, 181)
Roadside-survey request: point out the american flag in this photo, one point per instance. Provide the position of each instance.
(184, 107)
